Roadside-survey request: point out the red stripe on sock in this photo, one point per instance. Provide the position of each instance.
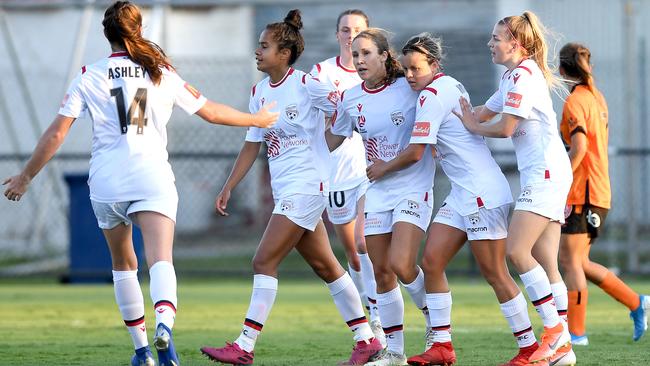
(135, 322)
(165, 303)
(543, 300)
(253, 324)
(394, 328)
(357, 321)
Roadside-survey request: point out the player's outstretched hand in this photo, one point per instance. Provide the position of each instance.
(467, 115)
(264, 117)
(16, 187)
(222, 202)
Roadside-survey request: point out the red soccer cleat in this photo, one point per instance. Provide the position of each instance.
(521, 359)
(230, 354)
(363, 352)
(439, 354)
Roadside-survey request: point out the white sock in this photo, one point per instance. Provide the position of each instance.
(391, 310)
(439, 305)
(559, 291)
(358, 283)
(128, 296)
(515, 311)
(539, 292)
(369, 285)
(162, 288)
(418, 295)
(264, 290)
(347, 301)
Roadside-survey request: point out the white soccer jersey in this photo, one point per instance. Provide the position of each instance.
(476, 179)
(384, 117)
(298, 155)
(348, 160)
(540, 153)
(129, 114)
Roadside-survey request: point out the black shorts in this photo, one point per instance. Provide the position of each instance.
(584, 219)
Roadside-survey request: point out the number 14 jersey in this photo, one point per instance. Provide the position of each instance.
(129, 115)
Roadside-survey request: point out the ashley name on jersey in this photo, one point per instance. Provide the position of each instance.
(126, 72)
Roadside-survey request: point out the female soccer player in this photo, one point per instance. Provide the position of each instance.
(476, 209)
(298, 156)
(524, 101)
(348, 181)
(130, 96)
(398, 208)
(585, 129)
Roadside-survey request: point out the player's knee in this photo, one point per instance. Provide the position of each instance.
(431, 264)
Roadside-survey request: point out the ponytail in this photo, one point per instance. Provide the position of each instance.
(530, 34)
(575, 60)
(393, 66)
(123, 26)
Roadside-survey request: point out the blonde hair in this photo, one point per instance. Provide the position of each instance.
(529, 33)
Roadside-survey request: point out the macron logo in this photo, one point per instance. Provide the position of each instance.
(421, 129)
(422, 99)
(513, 100)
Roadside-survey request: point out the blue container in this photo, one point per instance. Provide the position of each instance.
(90, 259)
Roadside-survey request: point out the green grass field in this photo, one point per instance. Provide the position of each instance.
(51, 324)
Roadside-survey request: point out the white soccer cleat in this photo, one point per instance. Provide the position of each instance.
(388, 358)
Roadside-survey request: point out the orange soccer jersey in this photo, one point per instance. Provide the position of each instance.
(586, 112)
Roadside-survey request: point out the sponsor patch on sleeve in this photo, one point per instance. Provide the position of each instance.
(192, 90)
(513, 100)
(421, 129)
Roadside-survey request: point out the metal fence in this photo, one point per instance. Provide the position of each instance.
(36, 230)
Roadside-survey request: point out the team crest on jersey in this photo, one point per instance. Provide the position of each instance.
(413, 205)
(195, 93)
(286, 205)
(291, 111)
(526, 191)
(474, 218)
(397, 117)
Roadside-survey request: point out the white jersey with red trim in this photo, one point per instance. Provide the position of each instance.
(129, 115)
(476, 179)
(384, 117)
(348, 160)
(298, 155)
(523, 92)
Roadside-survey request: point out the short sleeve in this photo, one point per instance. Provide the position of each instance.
(574, 116)
(185, 95)
(429, 114)
(519, 94)
(495, 103)
(322, 96)
(341, 122)
(73, 104)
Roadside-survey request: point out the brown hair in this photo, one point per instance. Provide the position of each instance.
(122, 26)
(287, 34)
(575, 60)
(352, 12)
(529, 33)
(392, 65)
(426, 44)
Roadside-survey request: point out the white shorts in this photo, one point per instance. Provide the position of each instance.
(343, 205)
(304, 210)
(486, 224)
(545, 198)
(415, 211)
(109, 215)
